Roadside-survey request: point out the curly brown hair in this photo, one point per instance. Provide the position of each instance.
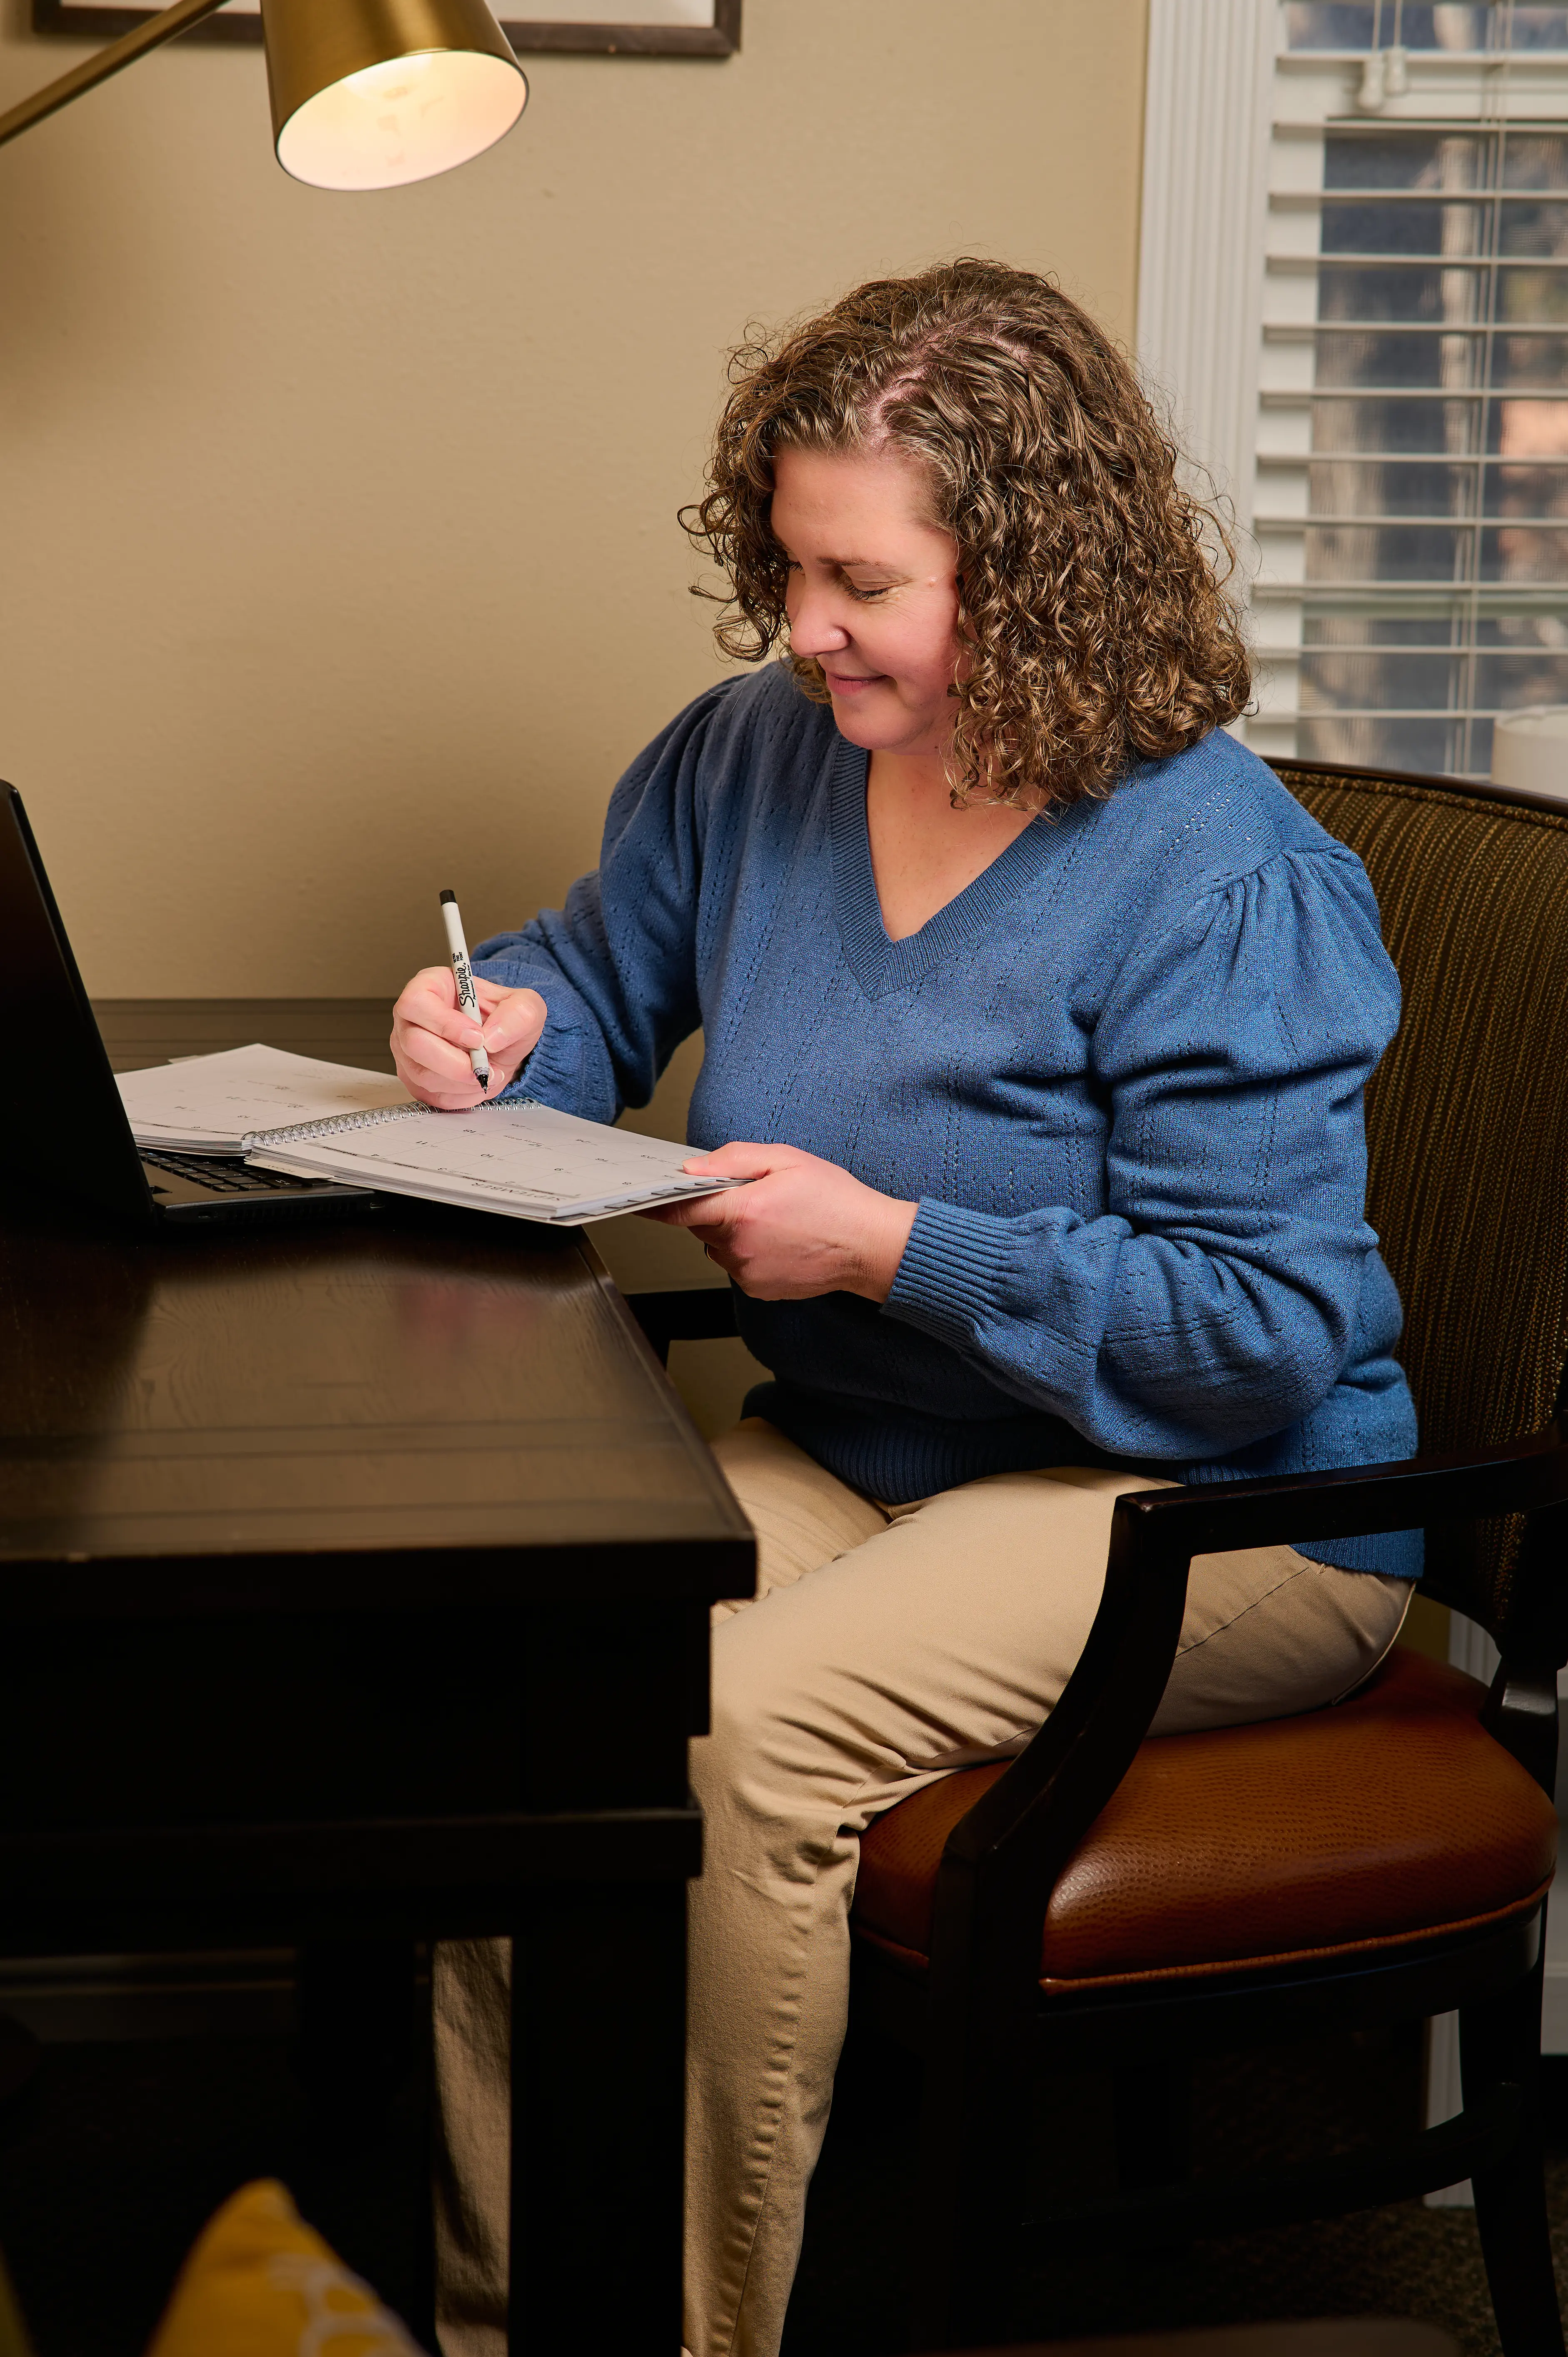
(1092, 616)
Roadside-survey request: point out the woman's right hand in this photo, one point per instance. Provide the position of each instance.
(431, 1038)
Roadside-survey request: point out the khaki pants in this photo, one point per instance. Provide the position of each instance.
(885, 1648)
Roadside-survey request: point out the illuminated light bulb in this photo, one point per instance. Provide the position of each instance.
(403, 90)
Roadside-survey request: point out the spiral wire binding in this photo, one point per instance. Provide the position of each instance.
(339, 1124)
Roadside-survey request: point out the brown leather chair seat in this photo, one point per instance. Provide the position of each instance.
(1385, 1820)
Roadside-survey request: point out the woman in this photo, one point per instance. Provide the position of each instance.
(1037, 1017)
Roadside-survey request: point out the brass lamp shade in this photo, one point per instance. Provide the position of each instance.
(373, 94)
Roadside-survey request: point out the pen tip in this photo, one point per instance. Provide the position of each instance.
(449, 896)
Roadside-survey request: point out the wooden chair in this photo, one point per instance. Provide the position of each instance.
(1107, 1898)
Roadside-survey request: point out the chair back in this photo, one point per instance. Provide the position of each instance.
(1468, 1115)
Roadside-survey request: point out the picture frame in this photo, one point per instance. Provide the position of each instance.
(646, 28)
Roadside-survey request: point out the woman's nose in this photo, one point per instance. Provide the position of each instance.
(815, 627)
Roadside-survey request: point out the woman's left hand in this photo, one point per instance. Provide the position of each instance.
(801, 1227)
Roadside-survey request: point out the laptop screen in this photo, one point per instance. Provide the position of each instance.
(68, 1132)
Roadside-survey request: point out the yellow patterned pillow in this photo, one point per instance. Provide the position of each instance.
(261, 2283)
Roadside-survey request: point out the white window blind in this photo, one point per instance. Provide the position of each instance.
(1411, 498)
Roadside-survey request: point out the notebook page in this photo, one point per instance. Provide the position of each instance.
(515, 1156)
(209, 1104)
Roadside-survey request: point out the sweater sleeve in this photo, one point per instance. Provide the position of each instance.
(1218, 1297)
(616, 965)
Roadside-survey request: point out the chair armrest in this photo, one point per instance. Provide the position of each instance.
(1216, 1517)
(698, 1313)
(1005, 1856)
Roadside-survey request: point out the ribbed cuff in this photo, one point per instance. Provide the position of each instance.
(949, 1279)
(551, 1071)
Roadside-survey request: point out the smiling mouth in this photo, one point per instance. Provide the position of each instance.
(853, 679)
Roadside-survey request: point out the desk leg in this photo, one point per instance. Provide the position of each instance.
(358, 2028)
(599, 2104)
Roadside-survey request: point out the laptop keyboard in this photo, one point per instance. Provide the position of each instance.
(222, 1173)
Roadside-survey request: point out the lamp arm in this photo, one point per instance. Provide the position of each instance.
(97, 68)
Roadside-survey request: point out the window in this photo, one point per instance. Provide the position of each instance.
(1410, 497)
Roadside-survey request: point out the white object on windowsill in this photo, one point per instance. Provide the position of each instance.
(1529, 750)
(1374, 83)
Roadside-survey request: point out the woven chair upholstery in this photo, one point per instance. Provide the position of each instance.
(1466, 1115)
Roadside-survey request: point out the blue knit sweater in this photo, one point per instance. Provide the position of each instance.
(1122, 1073)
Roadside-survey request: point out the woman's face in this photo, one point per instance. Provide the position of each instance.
(872, 594)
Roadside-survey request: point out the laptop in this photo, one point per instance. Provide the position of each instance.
(66, 1130)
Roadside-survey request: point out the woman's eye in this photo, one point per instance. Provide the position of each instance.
(864, 596)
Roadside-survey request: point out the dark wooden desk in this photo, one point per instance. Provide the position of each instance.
(354, 1584)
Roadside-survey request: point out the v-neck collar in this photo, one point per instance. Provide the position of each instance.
(880, 965)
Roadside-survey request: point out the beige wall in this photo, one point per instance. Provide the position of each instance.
(338, 560)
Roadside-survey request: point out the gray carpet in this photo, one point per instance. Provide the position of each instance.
(113, 2157)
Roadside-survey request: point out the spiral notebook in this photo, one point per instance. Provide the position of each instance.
(523, 1159)
(210, 1105)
